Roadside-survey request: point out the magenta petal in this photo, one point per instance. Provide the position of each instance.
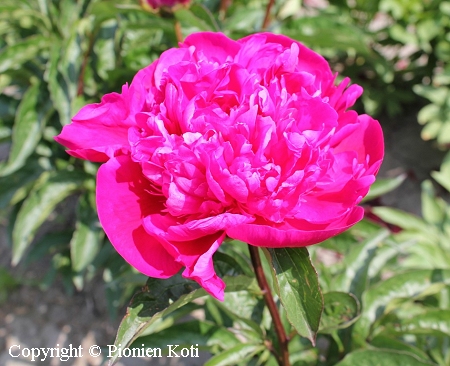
(122, 202)
(203, 271)
(212, 45)
(196, 256)
(366, 140)
(168, 226)
(98, 131)
(288, 236)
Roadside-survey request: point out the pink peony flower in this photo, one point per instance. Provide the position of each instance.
(156, 4)
(249, 139)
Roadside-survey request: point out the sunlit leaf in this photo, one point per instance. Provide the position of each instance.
(160, 298)
(409, 285)
(237, 354)
(38, 206)
(340, 311)
(381, 357)
(298, 288)
(86, 240)
(27, 131)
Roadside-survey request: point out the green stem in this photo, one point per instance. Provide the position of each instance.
(283, 340)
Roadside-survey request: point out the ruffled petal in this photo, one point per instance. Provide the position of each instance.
(366, 140)
(196, 256)
(172, 230)
(99, 131)
(123, 200)
(285, 235)
(212, 46)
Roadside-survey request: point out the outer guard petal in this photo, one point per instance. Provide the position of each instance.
(98, 131)
(123, 200)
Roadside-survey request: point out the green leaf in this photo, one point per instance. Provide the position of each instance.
(189, 19)
(160, 298)
(409, 285)
(59, 93)
(13, 186)
(400, 218)
(238, 251)
(245, 311)
(432, 322)
(13, 57)
(340, 311)
(202, 12)
(443, 176)
(86, 240)
(39, 204)
(241, 283)
(298, 288)
(387, 341)
(383, 186)
(27, 130)
(225, 264)
(235, 355)
(205, 335)
(328, 31)
(357, 262)
(379, 357)
(433, 208)
(48, 243)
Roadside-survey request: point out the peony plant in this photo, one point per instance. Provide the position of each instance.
(251, 140)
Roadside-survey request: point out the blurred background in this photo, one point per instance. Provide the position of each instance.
(60, 280)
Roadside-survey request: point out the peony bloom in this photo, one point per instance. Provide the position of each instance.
(249, 139)
(156, 4)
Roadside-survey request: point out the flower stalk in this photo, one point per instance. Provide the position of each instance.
(283, 340)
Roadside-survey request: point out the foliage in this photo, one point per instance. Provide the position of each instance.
(385, 284)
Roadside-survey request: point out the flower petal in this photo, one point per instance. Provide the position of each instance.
(98, 131)
(122, 202)
(285, 235)
(212, 46)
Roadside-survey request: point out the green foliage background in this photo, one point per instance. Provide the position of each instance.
(386, 293)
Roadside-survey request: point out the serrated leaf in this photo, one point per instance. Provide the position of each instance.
(12, 57)
(409, 285)
(298, 288)
(27, 130)
(235, 355)
(38, 206)
(377, 357)
(340, 311)
(86, 239)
